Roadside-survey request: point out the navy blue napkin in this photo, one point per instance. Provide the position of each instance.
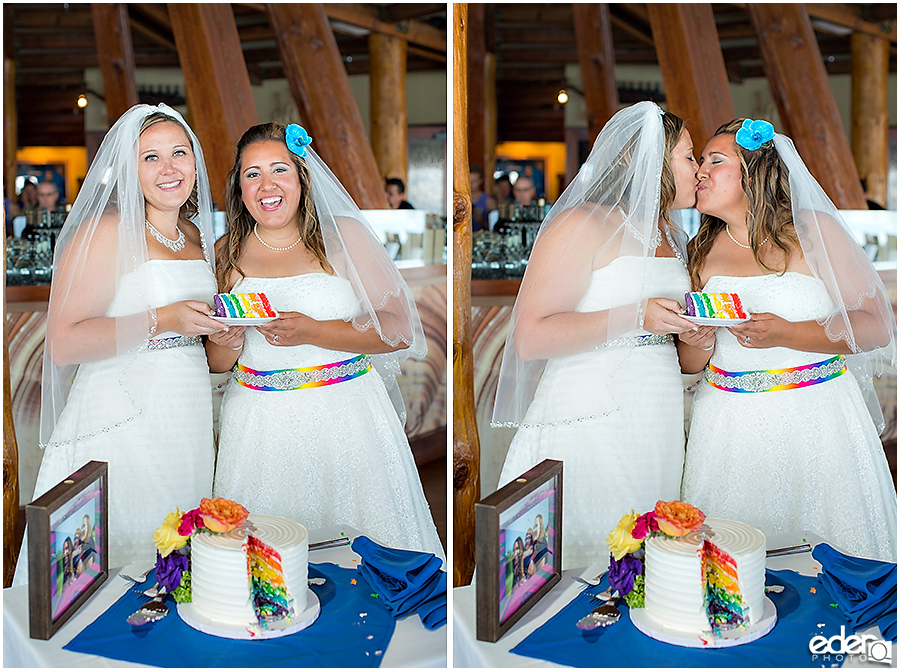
(405, 580)
(351, 631)
(803, 613)
(864, 589)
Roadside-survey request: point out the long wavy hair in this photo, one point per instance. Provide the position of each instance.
(673, 126)
(239, 221)
(764, 178)
(191, 206)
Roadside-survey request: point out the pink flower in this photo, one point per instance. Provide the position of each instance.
(644, 525)
(190, 522)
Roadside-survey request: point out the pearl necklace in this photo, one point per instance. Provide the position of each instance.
(727, 230)
(275, 249)
(174, 245)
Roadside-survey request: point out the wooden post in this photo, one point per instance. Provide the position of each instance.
(390, 119)
(593, 35)
(321, 89)
(10, 465)
(490, 120)
(116, 55)
(466, 448)
(475, 87)
(218, 87)
(793, 64)
(692, 66)
(10, 129)
(869, 112)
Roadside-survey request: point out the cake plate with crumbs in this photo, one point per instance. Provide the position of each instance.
(648, 625)
(207, 625)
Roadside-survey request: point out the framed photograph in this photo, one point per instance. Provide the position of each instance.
(518, 548)
(68, 547)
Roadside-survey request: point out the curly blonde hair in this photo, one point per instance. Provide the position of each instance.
(239, 221)
(764, 179)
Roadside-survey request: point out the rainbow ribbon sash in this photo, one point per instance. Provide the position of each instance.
(776, 380)
(290, 379)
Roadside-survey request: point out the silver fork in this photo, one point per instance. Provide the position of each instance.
(141, 577)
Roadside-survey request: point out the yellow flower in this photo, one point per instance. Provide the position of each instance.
(167, 538)
(620, 540)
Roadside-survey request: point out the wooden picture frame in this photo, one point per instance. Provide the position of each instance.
(515, 569)
(68, 547)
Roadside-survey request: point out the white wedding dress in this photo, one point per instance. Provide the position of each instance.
(155, 433)
(629, 452)
(794, 460)
(322, 456)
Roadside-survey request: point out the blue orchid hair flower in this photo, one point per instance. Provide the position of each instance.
(754, 134)
(297, 139)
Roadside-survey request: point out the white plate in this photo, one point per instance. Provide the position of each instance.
(648, 625)
(245, 321)
(300, 621)
(713, 321)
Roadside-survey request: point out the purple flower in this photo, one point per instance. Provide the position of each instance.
(622, 572)
(169, 570)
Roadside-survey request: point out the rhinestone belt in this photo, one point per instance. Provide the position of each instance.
(638, 341)
(289, 379)
(776, 380)
(170, 343)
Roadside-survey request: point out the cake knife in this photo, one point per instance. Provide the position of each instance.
(789, 550)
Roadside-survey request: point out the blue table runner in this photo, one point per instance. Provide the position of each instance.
(353, 630)
(804, 610)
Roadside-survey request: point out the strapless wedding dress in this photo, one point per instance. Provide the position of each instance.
(162, 456)
(326, 455)
(805, 459)
(629, 451)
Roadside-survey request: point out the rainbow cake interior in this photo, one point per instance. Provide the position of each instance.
(725, 607)
(714, 305)
(269, 594)
(243, 306)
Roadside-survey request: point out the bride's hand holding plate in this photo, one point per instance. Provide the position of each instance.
(703, 338)
(233, 338)
(663, 315)
(763, 330)
(289, 330)
(187, 318)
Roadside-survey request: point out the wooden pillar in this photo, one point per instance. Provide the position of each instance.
(475, 87)
(390, 119)
(593, 36)
(466, 448)
(218, 87)
(692, 66)
(809, 114)
(10, 117)
(10, 466)
(490, 120)
(116, 55)
(321, 90)
(869, 112)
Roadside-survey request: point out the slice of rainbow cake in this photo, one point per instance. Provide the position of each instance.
(271, 600)
(243, 306)
(713, 305)
(725, 606)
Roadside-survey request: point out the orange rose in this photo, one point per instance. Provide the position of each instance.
(221, 515)
(677, 518)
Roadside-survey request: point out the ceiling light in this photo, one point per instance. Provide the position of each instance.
(562, 97)
(82, 101)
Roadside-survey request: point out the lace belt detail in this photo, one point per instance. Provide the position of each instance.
(170, 343)
(638, 341)
(289, 379)
(776, 380)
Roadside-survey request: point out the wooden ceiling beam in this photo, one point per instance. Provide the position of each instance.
(321, 90)
(406, 11)
(414, 32)
(538, 55)
(842, 15)
(692, 66)
(805, 100)
(220, 100)
(593, 36)
(76, 17)
(156, 12)
(116, 55)
(537, 14)
(639, 31)
(153, 34)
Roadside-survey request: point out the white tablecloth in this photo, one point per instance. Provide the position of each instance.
(412, 645)
(468, 652)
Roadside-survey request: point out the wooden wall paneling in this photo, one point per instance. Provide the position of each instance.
(220, 100)
(692, 66)
(475, 87)
(593, 35)
(466, 448)
(321, 90)
(869, 112)
(390, 119)
(809, 114)
(115, 52)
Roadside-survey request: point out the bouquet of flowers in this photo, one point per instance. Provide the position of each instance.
(672, 519)
(173, 540)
